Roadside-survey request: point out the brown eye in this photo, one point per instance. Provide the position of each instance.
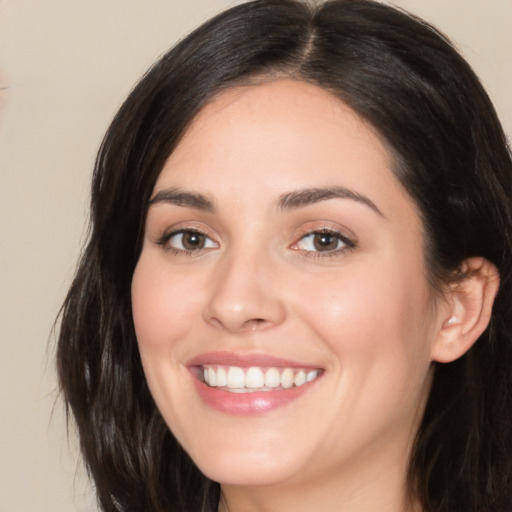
(190, 241)
(323, 241)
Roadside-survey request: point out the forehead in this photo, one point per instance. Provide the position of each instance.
(286, 108)
(274, 137)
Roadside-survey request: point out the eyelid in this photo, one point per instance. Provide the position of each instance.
(163, 240)
(346, 236)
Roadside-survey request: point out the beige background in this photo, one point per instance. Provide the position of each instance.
(65, 66)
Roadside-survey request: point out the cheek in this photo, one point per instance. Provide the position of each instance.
(377, 315)
(163, 304)
(163, 313)
(148, 304)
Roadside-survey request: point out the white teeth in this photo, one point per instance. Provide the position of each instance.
(287, 378)
(243, 380)
(300, 378)
(222, 377)
(254, 378)
(212, 377)
(272, 378)
(312, 375)
(235, 378)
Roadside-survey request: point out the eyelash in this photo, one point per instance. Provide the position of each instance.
(164, 242)
(348, 244)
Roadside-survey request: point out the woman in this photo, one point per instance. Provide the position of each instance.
(296, 293)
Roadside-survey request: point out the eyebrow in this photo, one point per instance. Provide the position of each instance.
(308, 196)
(288, 201)
(186, 199)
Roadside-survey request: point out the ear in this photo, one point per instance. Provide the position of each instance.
(466, 310)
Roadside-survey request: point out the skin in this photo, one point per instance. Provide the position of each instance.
(364, 314)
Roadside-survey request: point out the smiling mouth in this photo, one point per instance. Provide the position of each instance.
(250, 384)
(236, 379)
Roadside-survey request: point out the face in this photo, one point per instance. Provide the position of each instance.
(280, 302)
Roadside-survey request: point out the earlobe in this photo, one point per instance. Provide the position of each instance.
(467, 311)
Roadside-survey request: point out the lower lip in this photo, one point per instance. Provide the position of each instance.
(248, 404)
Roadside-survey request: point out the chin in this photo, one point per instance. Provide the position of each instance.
(243, 473)
(250, 467)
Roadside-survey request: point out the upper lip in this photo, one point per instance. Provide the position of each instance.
(245, 360)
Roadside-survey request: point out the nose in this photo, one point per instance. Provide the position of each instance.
(243, 297)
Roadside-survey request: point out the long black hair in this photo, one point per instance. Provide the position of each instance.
(450, 153)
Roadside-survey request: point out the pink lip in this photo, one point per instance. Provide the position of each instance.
(245, 404)
(245, 360)
(248, 404)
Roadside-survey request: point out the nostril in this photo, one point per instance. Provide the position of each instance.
(254, 323)
(249, 325)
